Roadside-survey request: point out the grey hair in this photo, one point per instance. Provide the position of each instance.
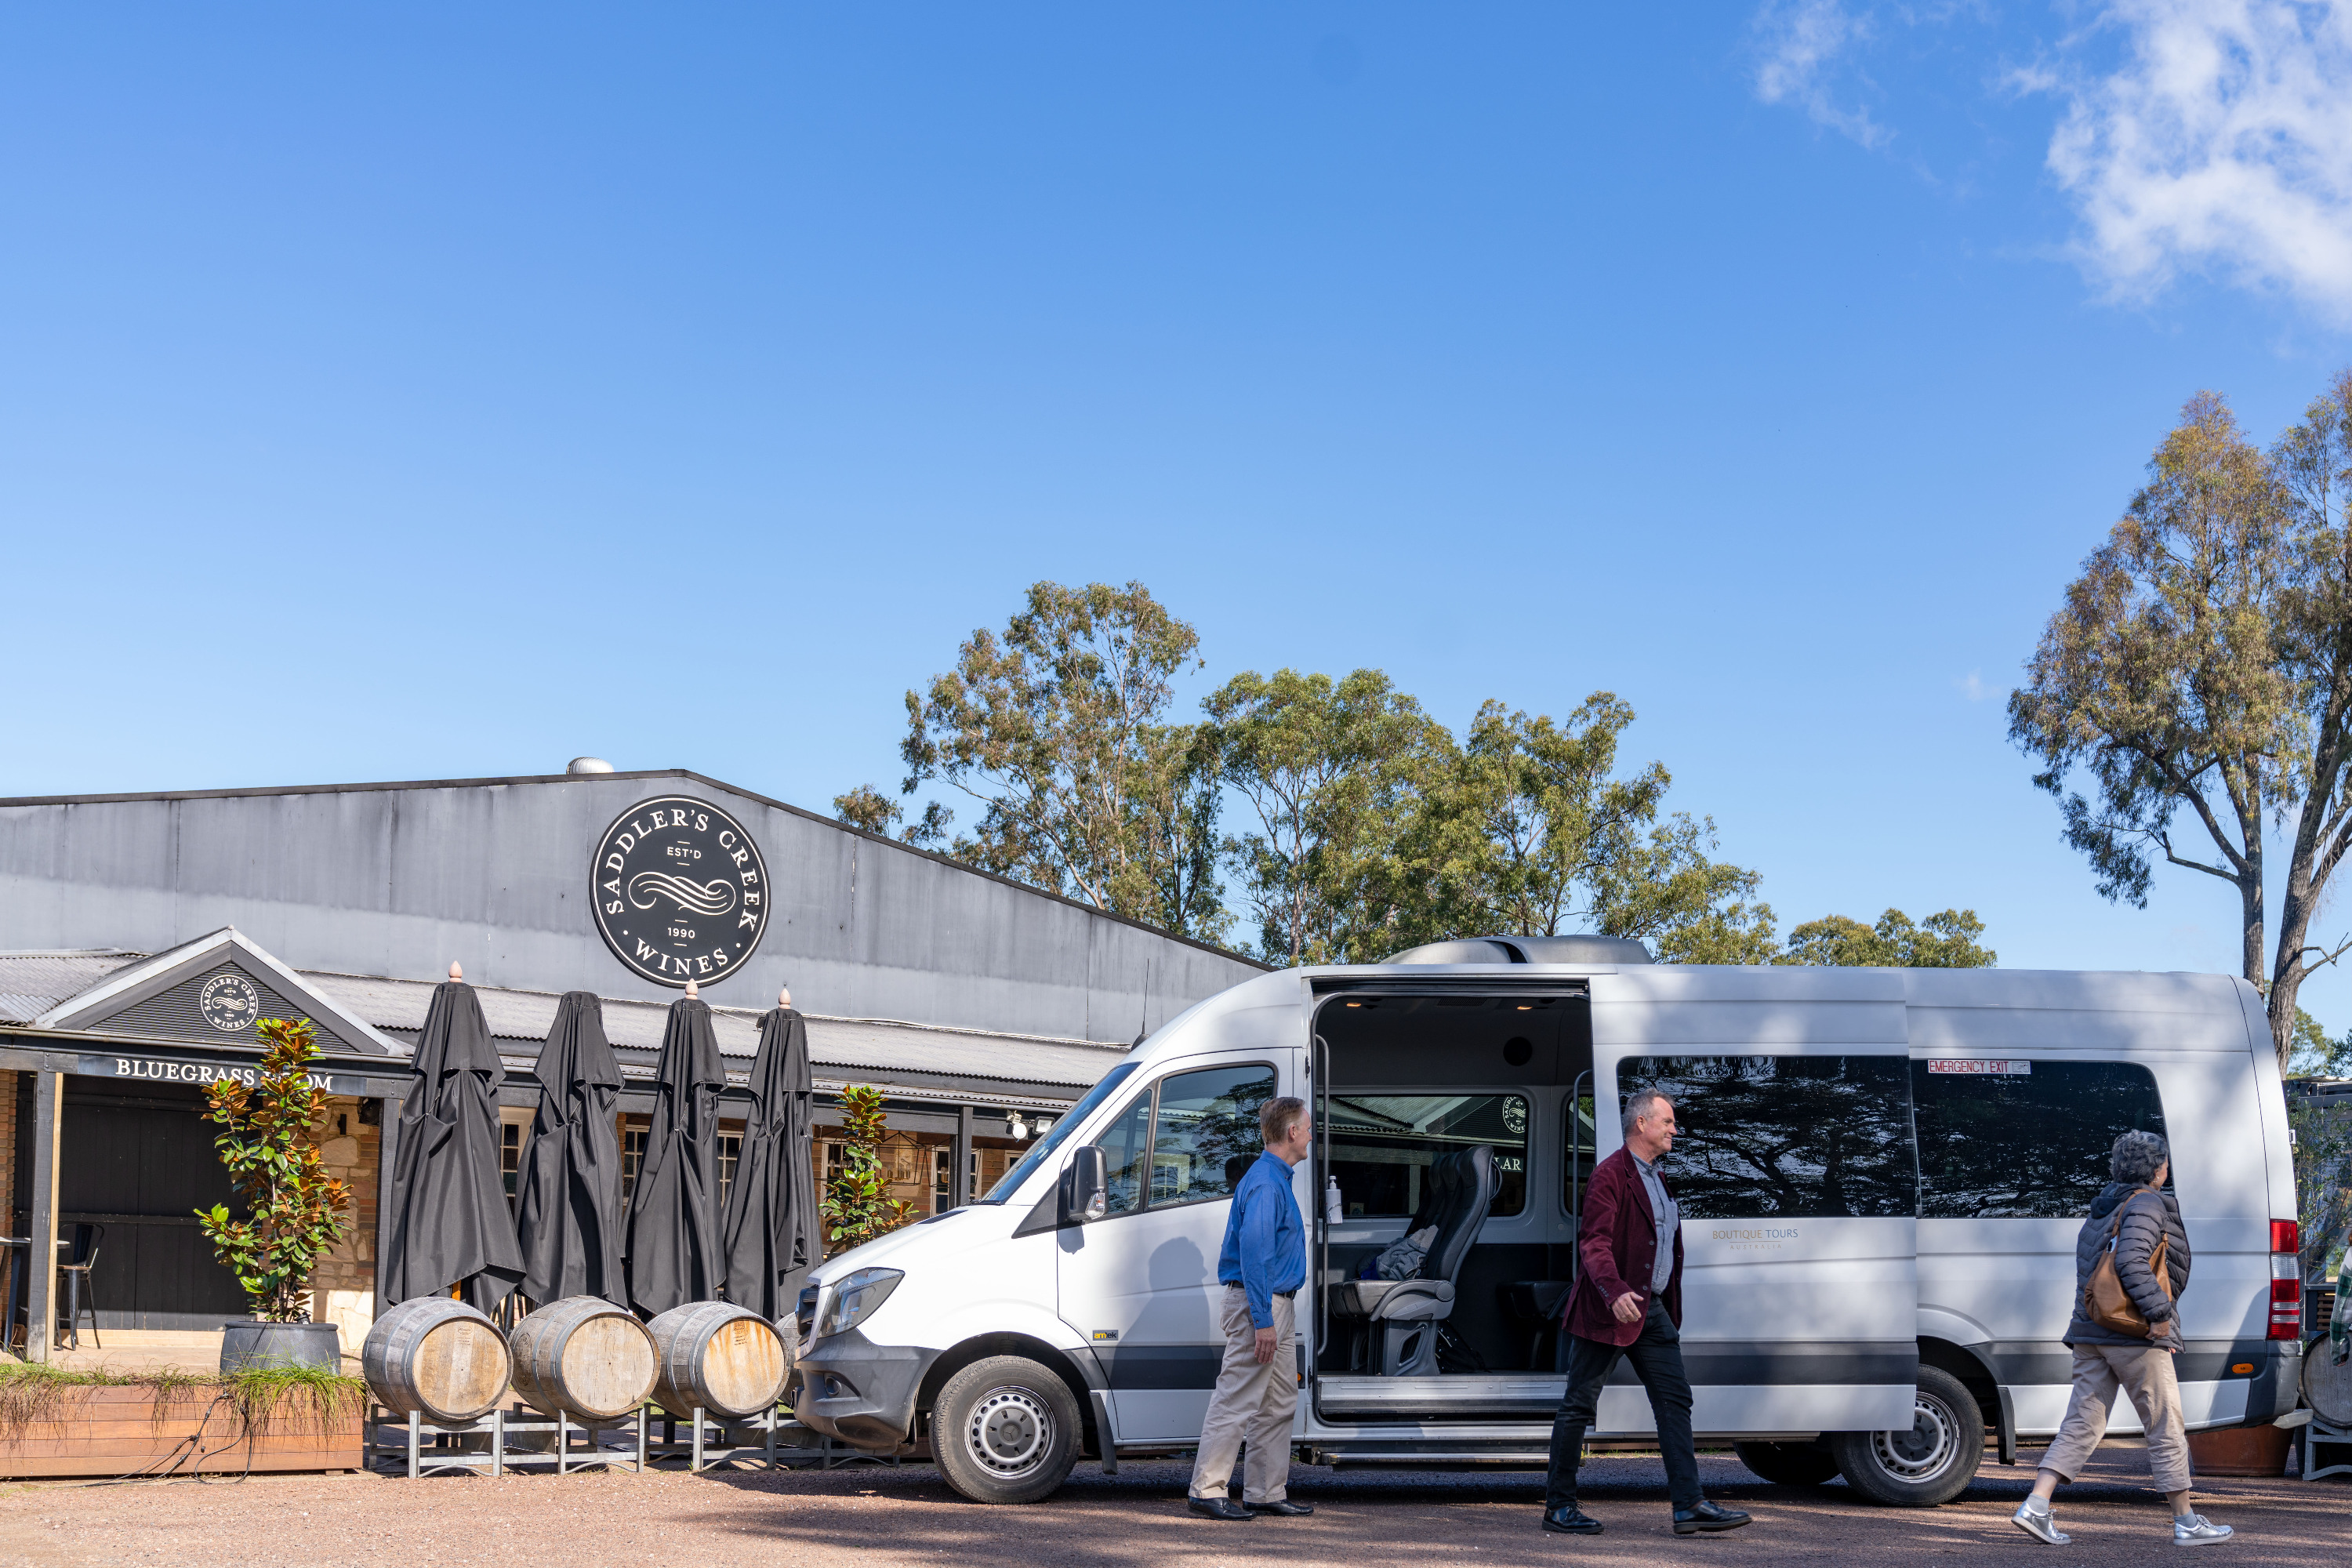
(2137, 1157)
(1638, 1106)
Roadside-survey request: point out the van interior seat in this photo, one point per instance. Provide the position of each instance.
(1402, 1315)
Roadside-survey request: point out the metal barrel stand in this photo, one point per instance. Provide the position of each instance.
(2326, 1450)
(707, 1440)
(552, 1440)
(410, 1444)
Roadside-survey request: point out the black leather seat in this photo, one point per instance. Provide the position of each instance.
(1401, 1315)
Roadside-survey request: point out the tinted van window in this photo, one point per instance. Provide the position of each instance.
(1206, 1134)
(2027, 1142)
(1379, 1147)
(1795, 1137)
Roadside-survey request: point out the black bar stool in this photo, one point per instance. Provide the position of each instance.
(81, 1299)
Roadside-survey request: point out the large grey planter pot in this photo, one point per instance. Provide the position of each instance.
(251, 1344)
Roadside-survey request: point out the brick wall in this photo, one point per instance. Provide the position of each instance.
(342, 1290)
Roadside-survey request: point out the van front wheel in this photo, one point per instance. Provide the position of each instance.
(1930, 1464)
(1005, 1430)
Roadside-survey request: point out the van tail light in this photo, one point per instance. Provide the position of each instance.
(2286, 1309)
(2286, 1235)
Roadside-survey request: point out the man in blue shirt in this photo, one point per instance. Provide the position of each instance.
(1262, 1265)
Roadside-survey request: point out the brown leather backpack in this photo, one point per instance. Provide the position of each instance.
(2105, 1300)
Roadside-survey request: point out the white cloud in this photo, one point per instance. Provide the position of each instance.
(1971, 685)
(1802, 41)
(2221, 141)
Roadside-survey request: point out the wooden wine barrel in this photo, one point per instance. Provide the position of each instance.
(437, 1358)
(585, 1357)
(725, 1359)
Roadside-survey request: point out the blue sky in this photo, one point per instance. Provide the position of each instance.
(428, 393)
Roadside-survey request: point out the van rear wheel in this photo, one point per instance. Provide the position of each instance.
(1787, 1464)
(1005, 1429)
(1930, 1464)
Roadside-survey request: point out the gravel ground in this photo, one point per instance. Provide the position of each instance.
(907, 1515)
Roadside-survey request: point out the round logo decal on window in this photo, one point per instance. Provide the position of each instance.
(680, 890)
(230, 1003)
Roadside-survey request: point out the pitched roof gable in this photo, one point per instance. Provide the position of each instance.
(216, 989)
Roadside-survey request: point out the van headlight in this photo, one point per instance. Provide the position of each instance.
(853, 1300)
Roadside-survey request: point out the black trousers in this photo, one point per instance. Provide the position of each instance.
(1657, 1357)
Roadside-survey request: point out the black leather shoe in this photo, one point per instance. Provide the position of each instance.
(1221, 1507)
(1570, 1520)
(1707, 1516)
(1286, 1509)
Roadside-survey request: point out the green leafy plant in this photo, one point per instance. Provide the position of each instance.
(857, 1202)
(270, 1145)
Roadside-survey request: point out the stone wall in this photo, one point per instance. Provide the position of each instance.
(342, 1291)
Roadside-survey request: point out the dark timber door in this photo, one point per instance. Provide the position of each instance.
(141, 1164)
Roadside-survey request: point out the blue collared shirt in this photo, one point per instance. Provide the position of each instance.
(1266, 1244)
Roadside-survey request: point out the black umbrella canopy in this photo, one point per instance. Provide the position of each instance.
(772, 1234)
(673, 1254)
(567, 1210)
(450, 1224)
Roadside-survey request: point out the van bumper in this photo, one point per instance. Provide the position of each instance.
(2277, 1387)
(859, 1392)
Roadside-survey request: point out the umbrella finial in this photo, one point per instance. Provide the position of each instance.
(692, 991)
(784, 997)
(457, 971)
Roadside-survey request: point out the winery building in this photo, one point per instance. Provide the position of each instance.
(144, 937)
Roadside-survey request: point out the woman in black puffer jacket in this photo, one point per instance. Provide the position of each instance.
(2132, 1215)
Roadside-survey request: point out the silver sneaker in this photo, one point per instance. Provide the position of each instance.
(2039, 1523)
(2196, 1529)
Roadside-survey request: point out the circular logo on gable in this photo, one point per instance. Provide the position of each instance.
(680, 890)
(230, 1003)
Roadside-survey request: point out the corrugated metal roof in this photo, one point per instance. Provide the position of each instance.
(32, 982)
(874, 1048)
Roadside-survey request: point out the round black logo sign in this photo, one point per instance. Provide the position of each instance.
(230, 1003)
(680, 890)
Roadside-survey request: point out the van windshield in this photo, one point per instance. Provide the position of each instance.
(1011, 1181)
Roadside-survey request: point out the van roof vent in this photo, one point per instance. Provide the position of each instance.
(1527, 949)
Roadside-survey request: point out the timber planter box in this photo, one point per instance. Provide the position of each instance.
(171, 1428)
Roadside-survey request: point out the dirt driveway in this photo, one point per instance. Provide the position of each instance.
(907, 1515)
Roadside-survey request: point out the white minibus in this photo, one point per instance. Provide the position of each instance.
(1881, 1172)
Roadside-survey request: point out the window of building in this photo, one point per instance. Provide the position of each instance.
(1380, 1147)
(633, 1133)
(943, 1175)
(731, 1155)
(1785, 1137)
(2024, 1145)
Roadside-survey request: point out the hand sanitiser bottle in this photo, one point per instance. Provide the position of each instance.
(1332, 1209)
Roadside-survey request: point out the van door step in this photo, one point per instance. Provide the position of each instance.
(1446, 1398)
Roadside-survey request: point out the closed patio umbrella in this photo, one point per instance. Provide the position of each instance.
(673, 1254)
(568, 1210)
(770, 1231)
(450, 1224)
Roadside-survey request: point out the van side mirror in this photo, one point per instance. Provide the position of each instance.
(1085, 1185)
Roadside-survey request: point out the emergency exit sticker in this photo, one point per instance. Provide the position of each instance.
(1981, 1066)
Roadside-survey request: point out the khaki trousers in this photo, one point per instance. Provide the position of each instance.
(1253, 1400)
(2147, 1376)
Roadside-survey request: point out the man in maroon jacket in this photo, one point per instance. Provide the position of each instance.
(1628, 1301)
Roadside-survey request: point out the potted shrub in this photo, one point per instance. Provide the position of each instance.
(858, 1203)
(269, 1141)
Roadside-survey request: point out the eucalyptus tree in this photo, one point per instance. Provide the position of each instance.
(1331, 771)
(1530, 830)
(2198, 679)
(1057, 728)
